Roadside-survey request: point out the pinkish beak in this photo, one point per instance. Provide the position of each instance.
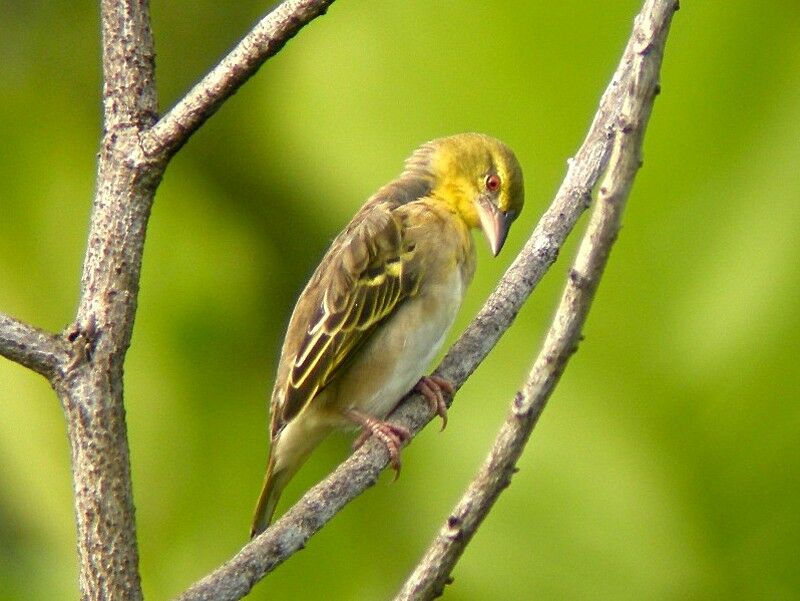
(494, 223)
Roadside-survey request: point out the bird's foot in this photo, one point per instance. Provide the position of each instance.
(391, 435)
(433, 388)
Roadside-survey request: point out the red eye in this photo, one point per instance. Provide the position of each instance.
(493, 182)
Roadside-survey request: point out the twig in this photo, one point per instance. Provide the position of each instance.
(290, 533)
(36, 349)
(202, 101)
(645, 52)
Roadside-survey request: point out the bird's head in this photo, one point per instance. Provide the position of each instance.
(479, 177)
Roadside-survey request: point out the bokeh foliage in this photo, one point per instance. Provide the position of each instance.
(667, 465)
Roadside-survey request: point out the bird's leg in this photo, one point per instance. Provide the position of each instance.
(433, 389)
(392, 435)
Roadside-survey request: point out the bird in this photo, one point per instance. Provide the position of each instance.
(382, 300)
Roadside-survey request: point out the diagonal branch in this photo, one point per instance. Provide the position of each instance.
(645, 51)
(41, 351)
(289, 534)
(263, 41)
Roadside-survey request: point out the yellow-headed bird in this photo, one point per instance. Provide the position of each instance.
(381, 302)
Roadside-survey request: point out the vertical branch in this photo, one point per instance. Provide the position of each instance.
(90, 387)
(644, 54)
(84, 364)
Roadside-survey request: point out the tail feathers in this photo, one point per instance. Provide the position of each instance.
(288, 452)
(270, 494)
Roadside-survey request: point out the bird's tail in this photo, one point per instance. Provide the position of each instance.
(274, 482)
(288, 452)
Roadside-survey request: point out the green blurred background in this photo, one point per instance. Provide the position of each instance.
(667, 465)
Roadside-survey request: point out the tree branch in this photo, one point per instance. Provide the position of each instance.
(41, 351)
(132, 160)
(88, 375)
(85, 364)
(91, 388)
(203, 100)
(289, 534)
(645, 52)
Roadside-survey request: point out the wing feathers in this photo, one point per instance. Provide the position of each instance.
(368, 272)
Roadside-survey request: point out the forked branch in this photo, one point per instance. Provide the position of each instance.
(85, 364)
(136, 149)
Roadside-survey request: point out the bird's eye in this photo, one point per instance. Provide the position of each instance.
(492, 182)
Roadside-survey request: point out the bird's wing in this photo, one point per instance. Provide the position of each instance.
(367, 273)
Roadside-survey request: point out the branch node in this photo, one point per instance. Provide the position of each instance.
(453, 530)
(583, 195)
(624, 124)
(579, 280)
(83, 338)
(520, 407)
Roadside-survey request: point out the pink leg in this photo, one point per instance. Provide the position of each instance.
(391, 435)
(433, 389)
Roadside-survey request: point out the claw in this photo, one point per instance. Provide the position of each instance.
(391, 435)
(433, 389)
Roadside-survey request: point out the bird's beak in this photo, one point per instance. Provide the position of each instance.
(494, 223)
